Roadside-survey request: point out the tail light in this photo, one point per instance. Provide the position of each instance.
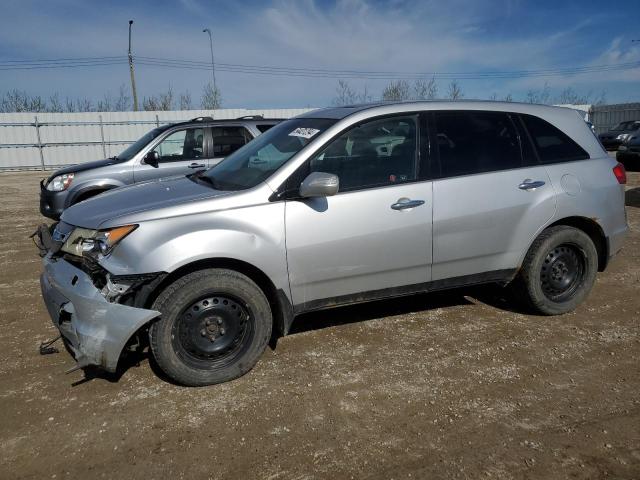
(620, 173)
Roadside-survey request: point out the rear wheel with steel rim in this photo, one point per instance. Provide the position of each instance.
(214, 327)
(558, 271)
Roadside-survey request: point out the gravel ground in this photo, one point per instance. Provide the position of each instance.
(449, 385)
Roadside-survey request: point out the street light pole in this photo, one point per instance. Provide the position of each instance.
(133, 79)
(213, 65)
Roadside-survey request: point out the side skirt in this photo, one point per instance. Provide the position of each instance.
(495, 276)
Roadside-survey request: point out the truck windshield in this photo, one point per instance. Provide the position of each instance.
(139, 144)
(258, 159)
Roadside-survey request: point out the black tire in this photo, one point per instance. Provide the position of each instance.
(558, 271)
(198, 310)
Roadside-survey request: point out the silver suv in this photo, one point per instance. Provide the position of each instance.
(333, 207)
(173, 149)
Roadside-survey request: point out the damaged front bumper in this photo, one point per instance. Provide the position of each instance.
(95, 329)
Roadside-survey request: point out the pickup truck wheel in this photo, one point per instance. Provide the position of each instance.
(214, 327)
(559, 270)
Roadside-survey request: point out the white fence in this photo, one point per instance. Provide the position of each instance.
(50, 140)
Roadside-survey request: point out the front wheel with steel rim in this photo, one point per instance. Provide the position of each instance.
(558, 271)
(214, 327)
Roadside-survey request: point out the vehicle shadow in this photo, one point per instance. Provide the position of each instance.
(632, 197)
(493, 295)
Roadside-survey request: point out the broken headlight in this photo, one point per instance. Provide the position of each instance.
(82, 241)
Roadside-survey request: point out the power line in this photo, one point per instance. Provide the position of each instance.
(8, 65)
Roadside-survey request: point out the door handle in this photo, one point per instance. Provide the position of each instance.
(197, 165)
(529, 184)
(403, 204)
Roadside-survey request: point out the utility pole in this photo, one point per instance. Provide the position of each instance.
(133, 78)
(213, 67)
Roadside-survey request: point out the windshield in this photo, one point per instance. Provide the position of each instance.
(258, 159)
(631, 125)
(139, 144)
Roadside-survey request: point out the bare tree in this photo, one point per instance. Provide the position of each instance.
(542, 96)
(396, 91)
(69, 105)
(508, 98)
(570, 96)
(211, 98)
(365, 96)
(55, 105)
(36, 104)
(15, 101)
(345, 95)
(454, 92)
(84, 105)
(423, 90)
(123, 102)
(185, 101)
(106, 104)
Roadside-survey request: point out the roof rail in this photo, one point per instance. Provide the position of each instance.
(201, 119)
(251, 117)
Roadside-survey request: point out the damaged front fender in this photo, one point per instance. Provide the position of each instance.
(95, 329)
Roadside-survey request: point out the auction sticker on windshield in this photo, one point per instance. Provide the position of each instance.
(304, 132)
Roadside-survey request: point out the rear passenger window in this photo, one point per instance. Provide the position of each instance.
(474, 142)
(227, 140)
(376, 153)
(552, 144)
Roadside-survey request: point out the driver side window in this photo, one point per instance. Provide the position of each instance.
(377, 153)
(182, 145)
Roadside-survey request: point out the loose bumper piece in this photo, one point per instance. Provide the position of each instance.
(95, 329)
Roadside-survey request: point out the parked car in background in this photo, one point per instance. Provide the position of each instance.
(619, 134)
(336, 206)
(629, 152)
(173, 149)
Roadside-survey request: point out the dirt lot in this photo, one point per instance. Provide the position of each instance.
(455, 385)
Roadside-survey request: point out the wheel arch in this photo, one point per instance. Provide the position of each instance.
(88, 192)
(278, 300)
(593, 229)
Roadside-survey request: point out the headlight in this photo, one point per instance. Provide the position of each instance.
(623, 136)
(90, 242)
(60, 183)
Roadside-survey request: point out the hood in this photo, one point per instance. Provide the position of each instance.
(615, 133)
(81, 167)
(136, 198)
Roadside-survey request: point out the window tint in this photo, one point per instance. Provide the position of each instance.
(263, 128)
(181, 145)
(381, 152)
(474, 142)
(552, 144)
(227, 140)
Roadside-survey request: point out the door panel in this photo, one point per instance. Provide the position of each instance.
(484, 222)
(356, 242)
(486, 214)
(181, 153)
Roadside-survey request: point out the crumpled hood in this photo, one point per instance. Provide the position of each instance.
(137, 198)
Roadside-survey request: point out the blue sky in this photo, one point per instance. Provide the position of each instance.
(367, 35)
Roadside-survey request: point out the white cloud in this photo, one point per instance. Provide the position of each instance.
(401, 35)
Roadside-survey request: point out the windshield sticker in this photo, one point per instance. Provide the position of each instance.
(304, 132)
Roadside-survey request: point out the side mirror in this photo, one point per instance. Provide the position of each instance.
(152, 158)
(319, 184)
